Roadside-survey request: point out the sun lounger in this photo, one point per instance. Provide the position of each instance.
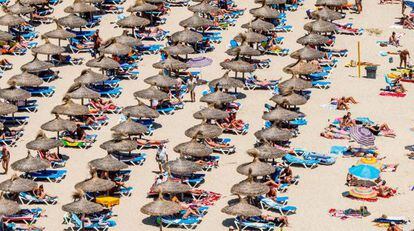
(169, 110)
(47, 175)
(188, 223)
(131, 159)
(243, 224)
(30, 106)
(28, 199)
(388, 220)
(40, 91)
(100, 225)
(320, 84)
(14, 120)
(22, 227)
(124, 191)
(194, 180)
(292, 160)
(279, 200)
(267, 203)
(323, 159)
(27, 216)
(282, 52)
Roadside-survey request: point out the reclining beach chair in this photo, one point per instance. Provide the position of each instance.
(28, 199)
(97, 225)
(29, 106)
(47, 175)
(268, 203)
(188, 223)
(131, 159)
(22, 227)
(292, 160)
(242, 224)
(27, 216)
(14, 120)
(40, 91)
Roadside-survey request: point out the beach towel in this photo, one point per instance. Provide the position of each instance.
(392, 94)
(329, 106)
(344, 214)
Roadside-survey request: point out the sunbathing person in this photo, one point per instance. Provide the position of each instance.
(213, 143)
(394, 227)
(231, 122)
(103, 105)
(39, 192)
(11, 48)
(347, 121)
(384, 191)
(379, 129)
(144, 142)
(78, 135)
(6, 132)
(50, 156)
(273, 189)
(5, 63)
(407, 22)
(342, 103)
(189, 209)
(332, 132)
(277, 220)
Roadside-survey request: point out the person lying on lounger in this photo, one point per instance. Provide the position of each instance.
(10, 48)
(144, 142)
(277, 220)
(49, 156)
(189, 209)
(40, 193)
(78, 135)
(6, 132)
(286, 175)
(273, 189)
(384, 191)
(5, 62)
(231, 122)
(102, 105)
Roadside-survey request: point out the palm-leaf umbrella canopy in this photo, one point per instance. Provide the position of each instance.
(326, 14)
(155, 1)
(258, 25)
(170, 64)
(107, 163)
(307, 53)
(127, 40)
(193, 148)
(133, 21)
(130, 127)
(302, 68)
(10, 20)
(80, 7)
(289, 99)
(320, 26)
(119, 145)
(226, 82)
(7, 108)
(238, 66)
(244, 50)
(19, 8)
(36, 65)
(331, 2)
(182, 167)
(171, 187)
(196, 21)
(273, 134)
(242, 208)
(140, 111)
(16, 185)
(95, 184)
(203, 131)
(217, 97)
(80, 91)
(70, 108)
(280, 114)
(30, 164)
(58, 124)
(43, 143)
(59, 33)
(13, 93)
(115, 48)
(211, 113)
(142, 7)
(271, 2)
(89, 77)
(249, 188)
(103, 63)
(266, 151)
(82, 206)
(8, 207)
(296, 84)
(4, 36)
(179, 49)
(25, 79)
(33, 2)
(313, 39)
(264, 12)
(161, 80)
(72, 21)
(186, 36)
(160, 207)
(204, 8)
(48, 49)
(256, 167)
(151, 93)
(250, 37)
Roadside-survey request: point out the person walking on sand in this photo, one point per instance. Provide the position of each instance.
(404, 56)
(97, 41)
(5, 159)
(191, 83)
(358, 5)
(161, 157)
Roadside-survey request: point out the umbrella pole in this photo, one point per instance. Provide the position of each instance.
(160, 223)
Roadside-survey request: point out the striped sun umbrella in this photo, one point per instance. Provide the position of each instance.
(362, 136)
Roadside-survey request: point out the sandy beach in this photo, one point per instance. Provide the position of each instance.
(319, 190)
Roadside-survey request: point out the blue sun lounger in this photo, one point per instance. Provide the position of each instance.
(131, 159)
(47, 175)
(14, 120)
(242, 224)
(323, 159)
(267, 203)
(292, 160)
(100, 225)
(40, 91)
(28, 199)
(30, 106)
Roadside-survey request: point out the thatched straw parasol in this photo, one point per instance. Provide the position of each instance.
(161, 80)
(250, 37)
(30, 164)
(80, 91)
(296, 84)
(80, 7)
(244, 50)
(203, 130)
(258, 25)
(264, 12)
(270, 2)
(327, 14)
(267, 151)
(151, 93)
(273, 134)
(33, 2)
(103, 63)
(127, 40)
(181, 167)
(193, 148)
(211, 114)
(238, 66)
(289, 99)
(204, 8)
(226, 82)
(95, 184)
(8, 207)
(280, 114)
(82, 206)
(186, 36)
(25, 79)
(4, 36)
(36, 65)
(142, 6)
(170, 64)
(7, 108)
(13, 93)
(331, 2)
(171, 187)
(19, 8)
(70, 108)
(307, 53)
(119, 144)
(160, 207)
(320, 26)
(133, 21)
(313, 39)
(59, 33)
(140, 111)
(107, 163)
(302, 68)
(58, 124)
(10, 20)
(256, 167)
(16, 185)
(89, 77)
(242, 208)
(179, 49)
(43, 143)
(217, 97)
(196, 21)
(129, 127)
(249, 188)
(72, 21)
(48, 49)
(115, 48)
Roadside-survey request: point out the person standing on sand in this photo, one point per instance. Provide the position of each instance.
(161, 157)
(5, 159)
(404, 56)
(358, 5)
(97, 40)
(191, 84)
